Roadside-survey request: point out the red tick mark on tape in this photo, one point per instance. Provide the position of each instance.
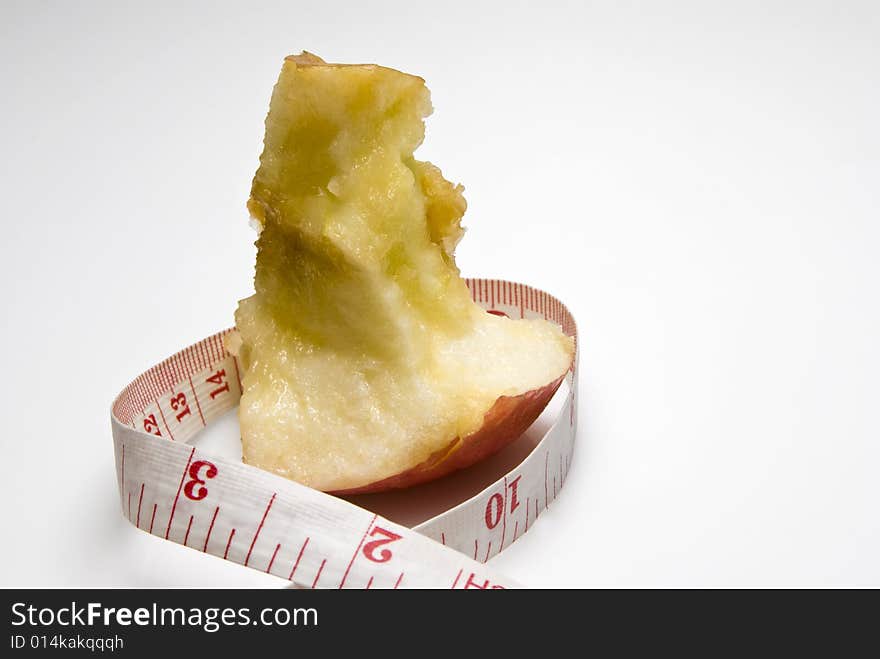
(399, 579)
(210, 528)
(188, 527)
(546, 499)
(259, 528)
(272, 560)
(369, 583)
(457, 577)
(237, 373)
(504, 518)
(177, 496)
(153, 518)
(357, 551)
(318, 576)
(162, 414)
(228, 543)
(140, 501)
(298, 557)
(198, 405)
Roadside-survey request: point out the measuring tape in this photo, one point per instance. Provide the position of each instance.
(243, 514)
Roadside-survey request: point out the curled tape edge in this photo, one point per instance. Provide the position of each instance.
(243, 514)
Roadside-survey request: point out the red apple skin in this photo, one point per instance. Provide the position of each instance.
(506, 420)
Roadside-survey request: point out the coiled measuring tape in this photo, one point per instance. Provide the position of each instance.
(172, 489)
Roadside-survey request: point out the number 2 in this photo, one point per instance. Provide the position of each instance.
(371, 547)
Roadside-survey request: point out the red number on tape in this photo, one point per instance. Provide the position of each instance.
(189, 489)
(371, 547)
(151, 425)
(514, 502)
(494, 510)
(218, 378)
(178, 404)
(486, 584)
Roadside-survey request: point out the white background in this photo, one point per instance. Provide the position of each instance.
(698, 181)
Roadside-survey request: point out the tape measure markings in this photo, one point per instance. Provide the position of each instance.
(186, 392)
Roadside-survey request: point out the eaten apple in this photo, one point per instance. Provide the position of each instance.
(367, 365)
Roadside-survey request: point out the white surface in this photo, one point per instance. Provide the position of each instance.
(700, 184)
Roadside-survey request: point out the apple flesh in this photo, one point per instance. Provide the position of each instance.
(367, 365)
(506, 420)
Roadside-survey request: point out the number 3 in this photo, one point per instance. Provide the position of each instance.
(189, 490)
